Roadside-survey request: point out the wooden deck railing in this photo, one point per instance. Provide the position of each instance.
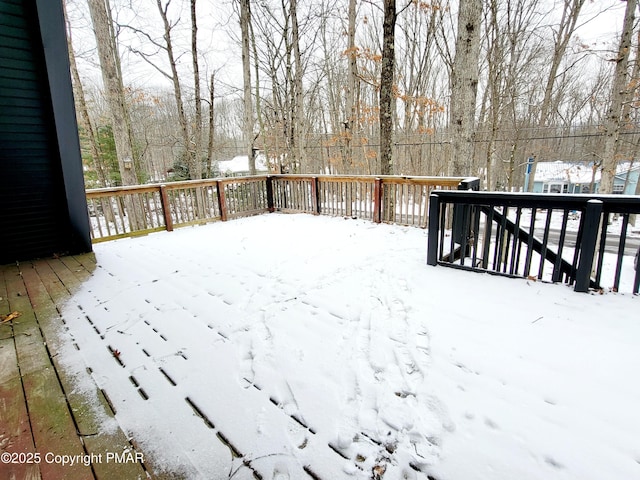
(137, 210)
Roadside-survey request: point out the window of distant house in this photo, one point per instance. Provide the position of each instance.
(555, 188)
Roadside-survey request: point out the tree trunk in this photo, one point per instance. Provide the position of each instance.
(619, 94)
(115, 99)
(351, 121)
(464, 86)
(211, 127)
(259, 116)
(245, 19)
(298, 103)
(83, 112)
(568, 22)
(387, 98)
(177, 90)
(114, 90)
(197, 129)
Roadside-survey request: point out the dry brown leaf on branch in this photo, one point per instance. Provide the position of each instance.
(11, 316)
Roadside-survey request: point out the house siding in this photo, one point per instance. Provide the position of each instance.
(35, 216)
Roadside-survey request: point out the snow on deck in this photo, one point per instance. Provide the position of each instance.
(326, 348)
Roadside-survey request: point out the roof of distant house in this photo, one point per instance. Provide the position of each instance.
(240, 164)
(575, 172)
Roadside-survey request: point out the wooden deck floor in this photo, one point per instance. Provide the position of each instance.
(42, 417)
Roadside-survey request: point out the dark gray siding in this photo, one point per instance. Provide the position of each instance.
(35, 215)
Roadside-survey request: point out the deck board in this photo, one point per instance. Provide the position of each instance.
(41, 411)
(51, 422)
(96, 441)
(15, 430)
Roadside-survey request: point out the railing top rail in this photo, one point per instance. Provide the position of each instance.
(245, 179)
(293, 176)
(171, 185)
(208, 182)
(617, 203)
(425, 180)
(402, 179)
(436, 181)
(123, 190)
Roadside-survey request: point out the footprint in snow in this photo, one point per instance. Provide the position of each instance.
(280, 473)
(491, 424)
(553, 462)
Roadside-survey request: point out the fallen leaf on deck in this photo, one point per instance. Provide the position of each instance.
(379, 470)
(11, 316)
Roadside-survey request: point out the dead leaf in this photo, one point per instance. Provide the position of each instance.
(532, 278)
(11, 316)
(379, 470)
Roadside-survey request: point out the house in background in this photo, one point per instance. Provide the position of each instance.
(626, 179)
(239, 166)
(580, 177)
(43, 210)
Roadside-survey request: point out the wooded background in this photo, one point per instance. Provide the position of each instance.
(167, 88)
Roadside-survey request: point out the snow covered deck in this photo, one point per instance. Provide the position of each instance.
(295, 347)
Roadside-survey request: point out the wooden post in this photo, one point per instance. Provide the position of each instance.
(222, 201)
(270, 205)
(315, 199)
(166, 208)
(377, 201)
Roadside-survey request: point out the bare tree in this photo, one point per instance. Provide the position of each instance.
(566, 28)
(245, 19)
(619, 94)
(351, 97)
(114, 89)
(387, 99)
(175, 80)
(83, 111)
(211, 126)
(419, 74)
(324, 99)
(298, 104)
(464, 86)
(196, 163)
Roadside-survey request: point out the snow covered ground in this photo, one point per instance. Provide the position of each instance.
(326, 348)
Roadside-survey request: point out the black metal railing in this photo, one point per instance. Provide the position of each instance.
(556, 238)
